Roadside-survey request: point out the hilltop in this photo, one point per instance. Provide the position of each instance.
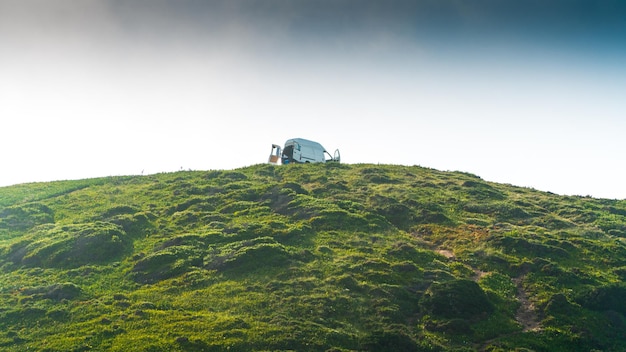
(309, 257)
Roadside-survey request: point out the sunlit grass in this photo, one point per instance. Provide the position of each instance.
(306, 257)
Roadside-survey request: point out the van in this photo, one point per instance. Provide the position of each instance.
(300, 150)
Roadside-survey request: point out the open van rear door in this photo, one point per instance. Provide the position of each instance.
(275, 154)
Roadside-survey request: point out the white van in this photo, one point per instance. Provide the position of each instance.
(300, 150)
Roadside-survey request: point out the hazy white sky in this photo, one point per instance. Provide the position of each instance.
(528, 94)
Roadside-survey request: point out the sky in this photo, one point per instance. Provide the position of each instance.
(529, 93)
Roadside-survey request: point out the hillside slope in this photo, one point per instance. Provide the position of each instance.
(309, 257)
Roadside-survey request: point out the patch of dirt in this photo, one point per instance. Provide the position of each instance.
(526, 314)
(478, 274)
(446, 253)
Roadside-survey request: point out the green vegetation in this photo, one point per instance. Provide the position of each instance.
(309, 257)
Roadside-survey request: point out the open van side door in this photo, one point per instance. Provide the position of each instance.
(330, 158)
(297, 152)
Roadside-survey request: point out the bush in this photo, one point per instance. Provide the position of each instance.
(248, 255)
(393, 340)
(56, 292)
(72, 246)
(604, 298)
(25, 216)
(453, 326)
(136, 226)
(119, 210)
(339, 220)
(166, 263)
(462, 299)
(521, 246)
(481, 190)
(398, 214)
(503, 211)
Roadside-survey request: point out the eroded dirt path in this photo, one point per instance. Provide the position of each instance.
(526, 314)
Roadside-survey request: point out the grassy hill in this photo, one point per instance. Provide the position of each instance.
(309, 257)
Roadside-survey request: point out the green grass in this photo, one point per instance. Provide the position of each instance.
(308, 257)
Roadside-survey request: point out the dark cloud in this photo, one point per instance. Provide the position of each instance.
(573, 24)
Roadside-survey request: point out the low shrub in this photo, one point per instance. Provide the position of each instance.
(339, 220)
(604, 298)
(390, 340)
(119, 210)
(25, 216)
(166, 263)
(248, 255)
(136, 226)
(462, 299)
(482, 190)
(72, 246)
(56, 292)
(559, 304)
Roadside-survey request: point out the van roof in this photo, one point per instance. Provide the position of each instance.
(305, 142)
